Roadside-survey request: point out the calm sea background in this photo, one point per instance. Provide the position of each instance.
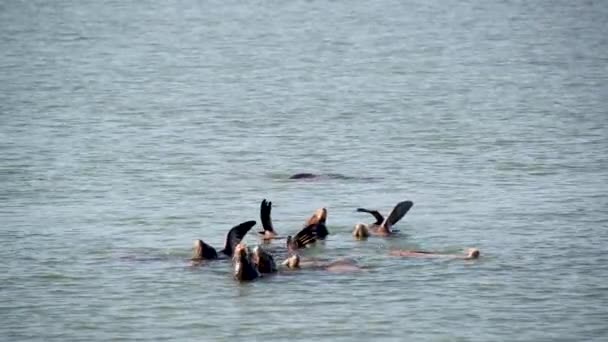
(130, 128)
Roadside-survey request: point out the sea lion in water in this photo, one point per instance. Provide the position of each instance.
(471, 253)
(244, 269)
(313, 176)
(203, 251)
(340, 265)
(318, 219)
(263, 261)
(304, 175)
(382, 226)
(309, 234)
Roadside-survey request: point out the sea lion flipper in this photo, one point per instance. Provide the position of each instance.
(305, 236)
(265, 209)
(235, 235)
(397, 213)
(379, 218)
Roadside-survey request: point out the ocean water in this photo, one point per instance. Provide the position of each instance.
(130, 128)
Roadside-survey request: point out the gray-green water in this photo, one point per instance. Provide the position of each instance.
(131, 128)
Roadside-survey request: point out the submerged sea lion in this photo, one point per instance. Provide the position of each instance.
(313, 176)
(203, 251)
(340, 265)
(382, 226)
(471, 253)
(244, 269)
(304, 175)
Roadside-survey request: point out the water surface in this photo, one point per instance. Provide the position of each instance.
(130, 128)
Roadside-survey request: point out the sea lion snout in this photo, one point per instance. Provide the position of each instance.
(473, 253)
(292, 262)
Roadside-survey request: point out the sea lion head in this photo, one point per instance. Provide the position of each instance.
(241, 252)
(473, 253)
(263, 260)
(202, 251)
(292, 262)
(361, 231)
(319, 216)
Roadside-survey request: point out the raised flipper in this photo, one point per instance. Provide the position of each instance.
(265, 209)
(235, 235)
(379, 218)
(304, 237)
(397, 213)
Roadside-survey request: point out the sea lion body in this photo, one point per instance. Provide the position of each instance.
(318, 219)
(304, 175)
(244, 269)
(340, 265)
(203, 251)
(263, 261)
(471, 253)
(382, 226)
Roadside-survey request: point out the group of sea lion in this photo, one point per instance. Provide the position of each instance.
(249, 264)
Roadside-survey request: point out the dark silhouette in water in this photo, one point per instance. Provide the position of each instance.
(313, 176)
(304, 176)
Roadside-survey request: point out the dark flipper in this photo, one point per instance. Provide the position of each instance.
(379, 218)
(235, 235)
(265, 209)
(397, 213)
(304, 237)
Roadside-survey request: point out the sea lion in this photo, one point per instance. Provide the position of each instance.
(263, 261)
(318, 218)
(340, 265)
(382, 226)
(306, 236)
(361, 232)
(471, 253)
(304, 175)
(325, 176)
(268, 232)
(203, 251)
(244, 269)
